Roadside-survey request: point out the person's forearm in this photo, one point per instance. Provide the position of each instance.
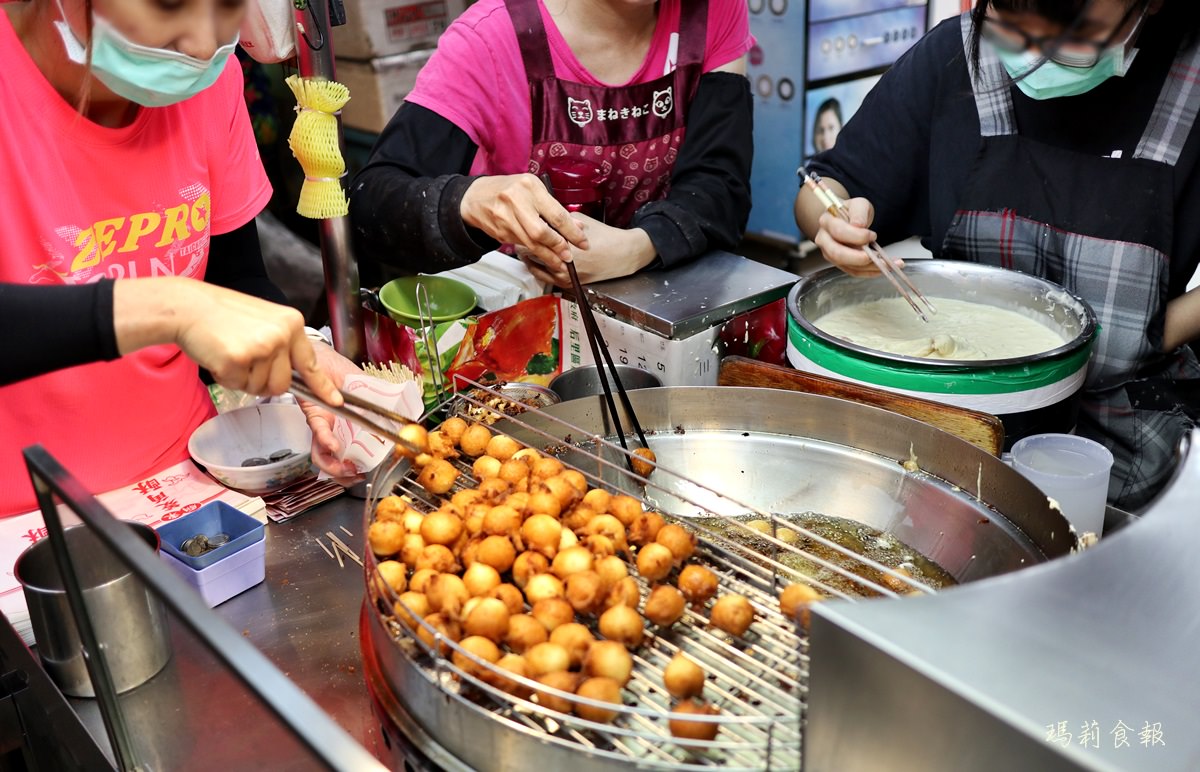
(146, 312)
(809, 209)
(1182, 323)
(73, 324)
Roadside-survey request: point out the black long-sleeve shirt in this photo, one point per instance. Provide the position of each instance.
(405, 203)
(74, 323)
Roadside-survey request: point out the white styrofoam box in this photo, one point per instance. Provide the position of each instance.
(227, 577)
(691, 361)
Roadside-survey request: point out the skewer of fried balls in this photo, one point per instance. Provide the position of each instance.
(506, 570)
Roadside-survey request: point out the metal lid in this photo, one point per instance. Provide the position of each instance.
(679, 302)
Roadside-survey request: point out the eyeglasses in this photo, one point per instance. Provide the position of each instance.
(1063, 48)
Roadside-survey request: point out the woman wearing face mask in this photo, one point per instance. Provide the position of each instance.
(637, 113)
(1058, 138)
(127, 236)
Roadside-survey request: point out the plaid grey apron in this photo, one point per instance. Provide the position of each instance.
(1102, 228)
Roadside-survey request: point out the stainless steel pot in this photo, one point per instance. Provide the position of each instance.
(1030, 394)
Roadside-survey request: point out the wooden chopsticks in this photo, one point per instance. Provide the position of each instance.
(599, 350)
(890, 270)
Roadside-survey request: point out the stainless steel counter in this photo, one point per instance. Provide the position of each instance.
(305, 618)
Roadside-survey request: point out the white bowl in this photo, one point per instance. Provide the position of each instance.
(222, 443)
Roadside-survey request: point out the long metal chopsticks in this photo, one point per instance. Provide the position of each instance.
(600, 349)
(890, 270)
(300, 389)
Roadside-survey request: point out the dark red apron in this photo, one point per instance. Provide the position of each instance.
(629, 135)
(1102, 228)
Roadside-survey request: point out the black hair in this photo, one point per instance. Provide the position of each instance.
(830, 105)
(1064, 12)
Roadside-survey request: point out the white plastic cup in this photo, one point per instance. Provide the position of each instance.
(1071, 470)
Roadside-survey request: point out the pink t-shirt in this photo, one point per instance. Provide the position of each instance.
(476, 80)
(82, 202)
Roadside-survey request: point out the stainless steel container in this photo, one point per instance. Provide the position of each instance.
(585, 381)
(1031, 394)
(130, 623)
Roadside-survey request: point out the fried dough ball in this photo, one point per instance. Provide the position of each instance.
(437, 557)
(561, 489)
(611, 527)
(645, 528)
(542, 533)
(601, 690)
(697, 583)
(567, 540)
(609, 659)
(497, 552)
(562, 680)
(442, 446)
(683, 678)
(453, 428)
(611, 570)
(553, 612)
(528, 565)
(543, 586)
(421, 579)
(643, 461)
(486, 467)
(528, 455)
(543, 502)
(410, 549)
(385, 537)
(654, 562)
(733, 614)
(675, 538)
(510, 596)
(481, 647)
(447, 594)
(416, 436)
(571, 561)
(494, 489)
(409, 607)
(546, 467)
(443, 625)
(547, 657)
(502, 446)
(514, 471)
(474, 439)
(665, 605)
(518, 500)
(412, 520)
(585, 591)
(480, 579)
(392, 575)
(524, 632)
(622, 624)
(515, 664)
(577, 481)
(684, 729)
(438, 476)
(391, 509)
(795, 601)
(441, 527)
(598, 500)
(465, 498)
(576, 639)
(624, 508)
(624, 593)
(577, 518)
(488, 617)
(600, 545)
(501, 520)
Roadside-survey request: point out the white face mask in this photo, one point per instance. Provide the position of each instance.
(151, 77)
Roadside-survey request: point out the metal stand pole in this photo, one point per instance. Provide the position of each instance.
(337, 255)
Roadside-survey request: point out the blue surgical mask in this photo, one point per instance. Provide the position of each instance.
(151, 77)
(1051, 80)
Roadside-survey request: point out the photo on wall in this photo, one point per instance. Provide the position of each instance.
(827, 110)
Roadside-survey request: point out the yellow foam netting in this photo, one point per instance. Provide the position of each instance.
(314, 143)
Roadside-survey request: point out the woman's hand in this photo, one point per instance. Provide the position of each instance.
(246, 343)
(612, 253)
(842, 242)
(517, 209)
(325, 445)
